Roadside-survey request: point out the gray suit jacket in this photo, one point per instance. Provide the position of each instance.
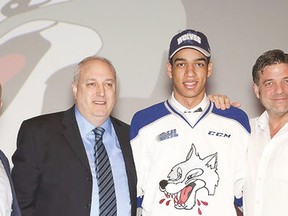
(51, 171)
(15, 206)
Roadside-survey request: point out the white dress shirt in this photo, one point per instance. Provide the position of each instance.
(5, 193)
(266, 189)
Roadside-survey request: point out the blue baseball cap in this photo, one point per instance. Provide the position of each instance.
(189, 39)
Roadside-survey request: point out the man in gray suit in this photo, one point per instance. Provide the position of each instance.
(8, 202)
(55, 173)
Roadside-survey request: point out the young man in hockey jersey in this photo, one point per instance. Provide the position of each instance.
(189, 155)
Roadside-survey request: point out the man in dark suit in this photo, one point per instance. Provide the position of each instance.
(55, 172)
(8, 202)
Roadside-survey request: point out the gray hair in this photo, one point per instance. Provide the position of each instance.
(88, 59)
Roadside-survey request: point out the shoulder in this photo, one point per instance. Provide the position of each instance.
(150, 114)
(121, 128)
(45, 117)
(119, 123)
(49, 120)
(259, 121)
(254, 121)
(3, 156)
(147, 116)
(235, 114)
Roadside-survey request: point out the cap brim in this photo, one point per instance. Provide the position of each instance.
(204, 52)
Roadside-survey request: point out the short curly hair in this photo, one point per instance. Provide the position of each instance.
(268, 58)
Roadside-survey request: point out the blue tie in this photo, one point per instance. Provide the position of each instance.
(107, 196)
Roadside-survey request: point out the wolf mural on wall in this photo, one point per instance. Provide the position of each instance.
(188, 177)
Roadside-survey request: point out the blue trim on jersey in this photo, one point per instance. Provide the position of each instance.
(177, 113)
(147, 116)
(208, 110)
(238, 202)
(236, 114)
(139, 201)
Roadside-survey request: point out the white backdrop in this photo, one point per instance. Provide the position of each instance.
(42, 41)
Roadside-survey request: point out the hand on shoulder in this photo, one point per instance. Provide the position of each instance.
(222, 101)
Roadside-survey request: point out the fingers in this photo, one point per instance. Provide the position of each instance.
(236, 104)
(221, 101)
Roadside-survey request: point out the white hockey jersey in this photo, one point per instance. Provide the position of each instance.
(189, 169)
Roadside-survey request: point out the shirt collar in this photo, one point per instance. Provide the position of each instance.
(203, 104)
(86, 127)
(263, 123)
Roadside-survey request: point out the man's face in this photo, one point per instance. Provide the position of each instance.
(272, 89)
(189, 73)
(95, 92)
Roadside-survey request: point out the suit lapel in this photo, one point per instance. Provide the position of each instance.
(122, 133)
(72, 134)
(122, 136)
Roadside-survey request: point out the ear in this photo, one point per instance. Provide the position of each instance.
(169, 70)
(191, 152)
(209, 69)
(256, 90)
(74, 89)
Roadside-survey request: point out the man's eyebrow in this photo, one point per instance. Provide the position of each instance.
(179, 59)
(267, 80)
(201, 59)
(110, 80)
(107, 79)
(271, 79)
(197, 59)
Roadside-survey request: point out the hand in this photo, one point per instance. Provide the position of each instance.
(222, 101)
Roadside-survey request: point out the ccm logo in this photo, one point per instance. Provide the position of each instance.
(219, 134)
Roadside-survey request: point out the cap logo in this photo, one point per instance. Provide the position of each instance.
(189, 36)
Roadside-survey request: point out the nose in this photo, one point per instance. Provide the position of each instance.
(100, 90)
(280, 88)
(163, 184)
(190, 70)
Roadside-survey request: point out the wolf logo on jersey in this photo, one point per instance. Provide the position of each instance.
(188, 177)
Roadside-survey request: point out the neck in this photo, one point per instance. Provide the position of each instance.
(189, 103)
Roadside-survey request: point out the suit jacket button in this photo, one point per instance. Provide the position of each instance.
(87, 205)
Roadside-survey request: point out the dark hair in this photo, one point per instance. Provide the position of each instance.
(268, 58)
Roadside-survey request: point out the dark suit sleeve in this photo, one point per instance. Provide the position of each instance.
(25, 173)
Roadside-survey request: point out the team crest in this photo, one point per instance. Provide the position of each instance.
(188, 177)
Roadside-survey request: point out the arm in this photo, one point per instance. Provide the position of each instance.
(25, 173)
(141, 164)
(6, 196)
